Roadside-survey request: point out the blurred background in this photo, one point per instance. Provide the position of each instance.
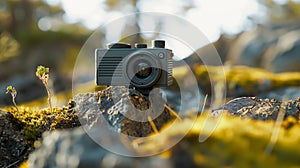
(256, 33)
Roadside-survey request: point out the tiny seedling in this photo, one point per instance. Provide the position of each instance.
(13, 94)
(43, 74)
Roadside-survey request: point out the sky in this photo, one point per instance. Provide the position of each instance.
(212, 17)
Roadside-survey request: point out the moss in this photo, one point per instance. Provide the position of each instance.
(36, 121)
(31, 133)
(31, 123)
(24, 164)
(245, 81)
(235, 142)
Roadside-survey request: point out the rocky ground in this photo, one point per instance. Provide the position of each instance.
(21, 130)
(235, 142)
(247, 122)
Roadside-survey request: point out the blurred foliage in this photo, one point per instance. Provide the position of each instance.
(34, 31)
(281, 12)
(20, 16)
(24, 23)
(9, 47)
(119, 5)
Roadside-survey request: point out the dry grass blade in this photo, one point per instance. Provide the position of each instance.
(204, 102)
(172, 112)
(152, 125)
(276, 130)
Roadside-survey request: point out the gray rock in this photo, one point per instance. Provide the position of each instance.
(283, 56)
(272, 48)
(287, 93)
(259, 109)
(74, 148)
(249, 47)
(126, 110)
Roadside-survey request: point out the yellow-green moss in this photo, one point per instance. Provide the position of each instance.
(24, 164)
(36, 121)
(235, 142)
(245, 80)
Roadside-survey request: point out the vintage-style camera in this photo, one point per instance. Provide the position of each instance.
(139, 67)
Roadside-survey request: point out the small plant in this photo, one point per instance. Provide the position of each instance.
(43, 74)
(13, 93)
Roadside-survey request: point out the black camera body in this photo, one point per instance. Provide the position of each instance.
(139, 67)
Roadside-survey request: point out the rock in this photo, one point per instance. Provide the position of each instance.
(249, 47)
(13, 148)
(126, 110)
(283, 93)
(274, 48)
(283, 56)
(260, 109)
(74, 148)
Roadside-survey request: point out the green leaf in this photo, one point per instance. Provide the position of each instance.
(10, 89)
(41, 70)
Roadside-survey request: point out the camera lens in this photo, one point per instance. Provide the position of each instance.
(142, 69)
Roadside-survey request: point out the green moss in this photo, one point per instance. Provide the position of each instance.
(245, 81)
(31, 133)
(36, 121)
(235, 142)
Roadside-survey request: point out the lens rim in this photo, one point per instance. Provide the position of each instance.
(150, 59)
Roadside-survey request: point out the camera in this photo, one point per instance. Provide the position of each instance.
(137, 67)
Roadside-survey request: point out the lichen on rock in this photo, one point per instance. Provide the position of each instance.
(260, 109)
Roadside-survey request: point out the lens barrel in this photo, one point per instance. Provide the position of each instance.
(142, 69)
